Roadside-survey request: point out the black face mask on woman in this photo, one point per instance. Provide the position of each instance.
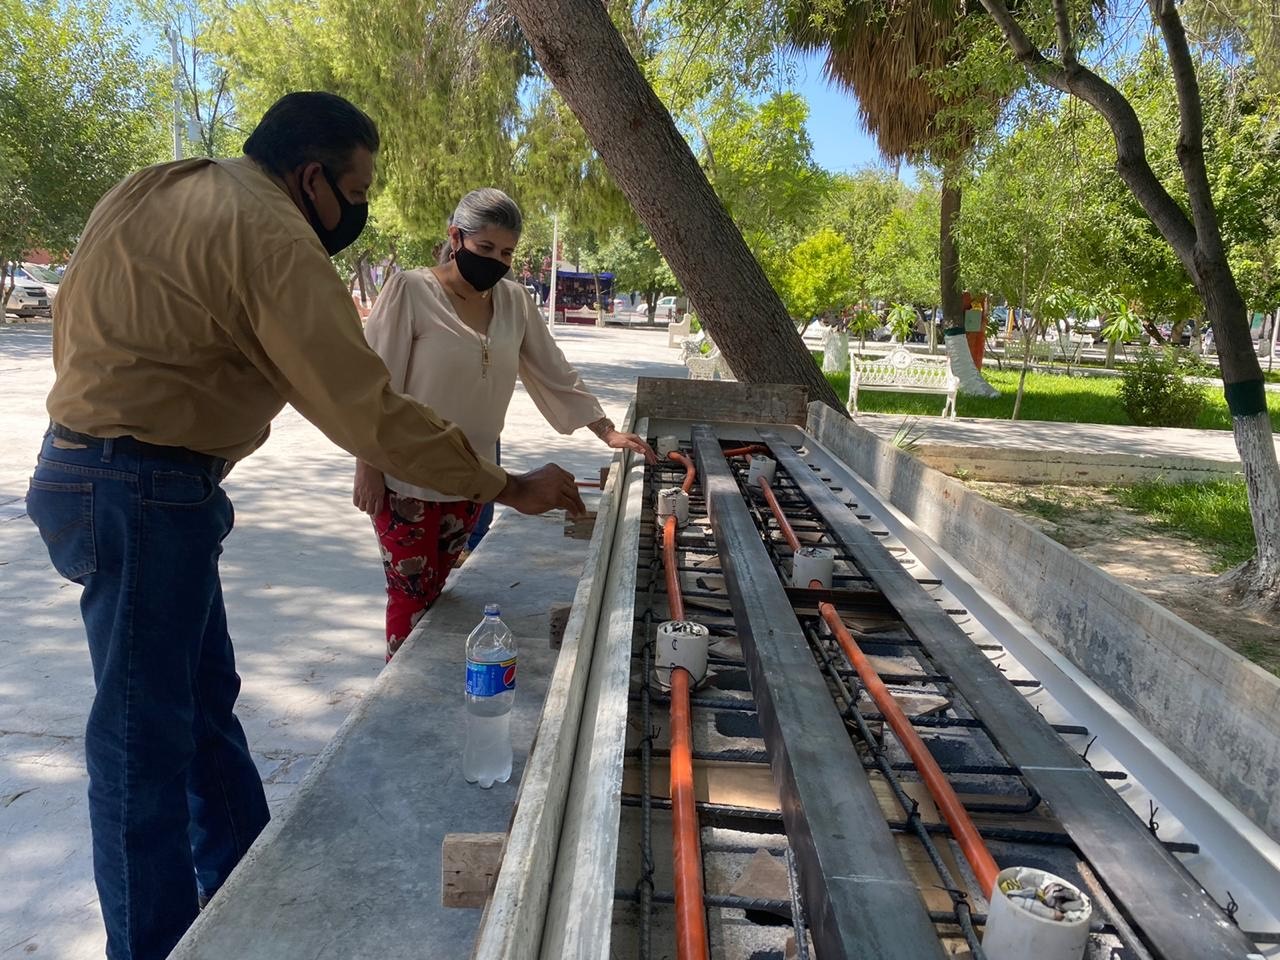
(481, 272)
(351, 219)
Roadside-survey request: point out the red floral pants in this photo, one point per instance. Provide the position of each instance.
(420, 540)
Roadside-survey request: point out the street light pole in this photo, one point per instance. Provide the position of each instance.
(172, 34)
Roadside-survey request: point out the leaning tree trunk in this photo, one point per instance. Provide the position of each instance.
(593, 70)
(957, 341)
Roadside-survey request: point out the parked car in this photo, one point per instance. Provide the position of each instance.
(36, 274)
(28, 299)
(671, 309)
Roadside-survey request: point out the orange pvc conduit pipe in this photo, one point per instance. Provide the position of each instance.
(686, 844)
(953, 811)
(746, 451)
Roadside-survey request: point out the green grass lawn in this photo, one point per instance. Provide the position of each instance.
(1213, 514)
(1048, 396)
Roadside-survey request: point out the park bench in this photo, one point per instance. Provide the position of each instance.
(901, 371)
(676, 332)
(704, 366)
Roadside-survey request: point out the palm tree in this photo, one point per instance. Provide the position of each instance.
(886, 52)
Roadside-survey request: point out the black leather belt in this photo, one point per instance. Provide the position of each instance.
(215, 465)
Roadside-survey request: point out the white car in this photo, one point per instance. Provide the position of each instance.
(670, 309)
(29, 298)
(35, 274)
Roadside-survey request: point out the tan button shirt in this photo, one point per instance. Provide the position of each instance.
(435, 357)
(199, 301)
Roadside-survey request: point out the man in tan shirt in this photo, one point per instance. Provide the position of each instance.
(199, 301)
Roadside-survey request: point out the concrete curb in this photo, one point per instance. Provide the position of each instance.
(1212, 707)
(1000, 465)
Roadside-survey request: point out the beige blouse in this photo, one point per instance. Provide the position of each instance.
(436, 359)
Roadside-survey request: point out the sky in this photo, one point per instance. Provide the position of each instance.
(839, 141)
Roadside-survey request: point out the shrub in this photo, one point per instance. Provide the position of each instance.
(1157, 389)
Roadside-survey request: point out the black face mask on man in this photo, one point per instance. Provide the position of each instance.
(351, 218)
(481, 272)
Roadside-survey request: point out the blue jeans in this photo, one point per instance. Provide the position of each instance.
(174, 797)
(486, 512)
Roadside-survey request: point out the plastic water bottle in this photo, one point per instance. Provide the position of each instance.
(491, 690)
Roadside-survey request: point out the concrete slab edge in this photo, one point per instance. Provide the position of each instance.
(1000, 465)
(1213, 708)
(219, 910)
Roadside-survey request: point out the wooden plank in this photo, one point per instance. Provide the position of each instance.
(514, 918)
(765, 878)
(469, 864)
(579, 914)
(669, 399)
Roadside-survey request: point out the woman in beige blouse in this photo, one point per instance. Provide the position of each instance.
(455, 336)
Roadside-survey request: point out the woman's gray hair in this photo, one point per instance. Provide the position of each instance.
(487, 207)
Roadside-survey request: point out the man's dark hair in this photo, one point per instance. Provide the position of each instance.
(310, 125)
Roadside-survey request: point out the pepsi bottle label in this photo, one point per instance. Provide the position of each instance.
(490, 679)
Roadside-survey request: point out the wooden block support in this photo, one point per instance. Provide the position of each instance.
(765, 878)
(559, 619)
(604, 476)
(469, 865)
(580, 528)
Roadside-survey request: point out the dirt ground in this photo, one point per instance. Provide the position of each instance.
(1174, 572)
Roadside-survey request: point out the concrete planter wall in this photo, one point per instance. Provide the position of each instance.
(1211, 706)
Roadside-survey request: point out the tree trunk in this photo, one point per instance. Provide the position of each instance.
(1111, 354)
(591, 67)
(972, 382)
(8, 281)
(1275, 339)
(1247, 401)
(949, 250)
(1022, 377)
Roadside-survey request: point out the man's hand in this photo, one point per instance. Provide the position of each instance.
(547, 488)
(370, 489)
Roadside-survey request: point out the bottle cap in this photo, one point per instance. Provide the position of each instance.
(491, 610)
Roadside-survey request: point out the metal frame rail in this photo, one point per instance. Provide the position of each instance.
(858, 895)
(1151, 888)
(653, 560)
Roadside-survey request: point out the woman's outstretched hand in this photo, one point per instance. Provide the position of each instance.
(369, 488)
(630, 441)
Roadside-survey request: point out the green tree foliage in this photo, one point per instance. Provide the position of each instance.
(79, 110)
(1019, 214)
(759, 159)
(858, 207)
(905, 252)
(445, 101)
(1046, 211)
(819, 275)
(633, 258)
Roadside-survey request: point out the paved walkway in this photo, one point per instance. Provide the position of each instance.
(1085, 438)
(303, 585)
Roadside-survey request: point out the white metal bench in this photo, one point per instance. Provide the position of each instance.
(901, 371)
(704, 366)
(676, 332)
